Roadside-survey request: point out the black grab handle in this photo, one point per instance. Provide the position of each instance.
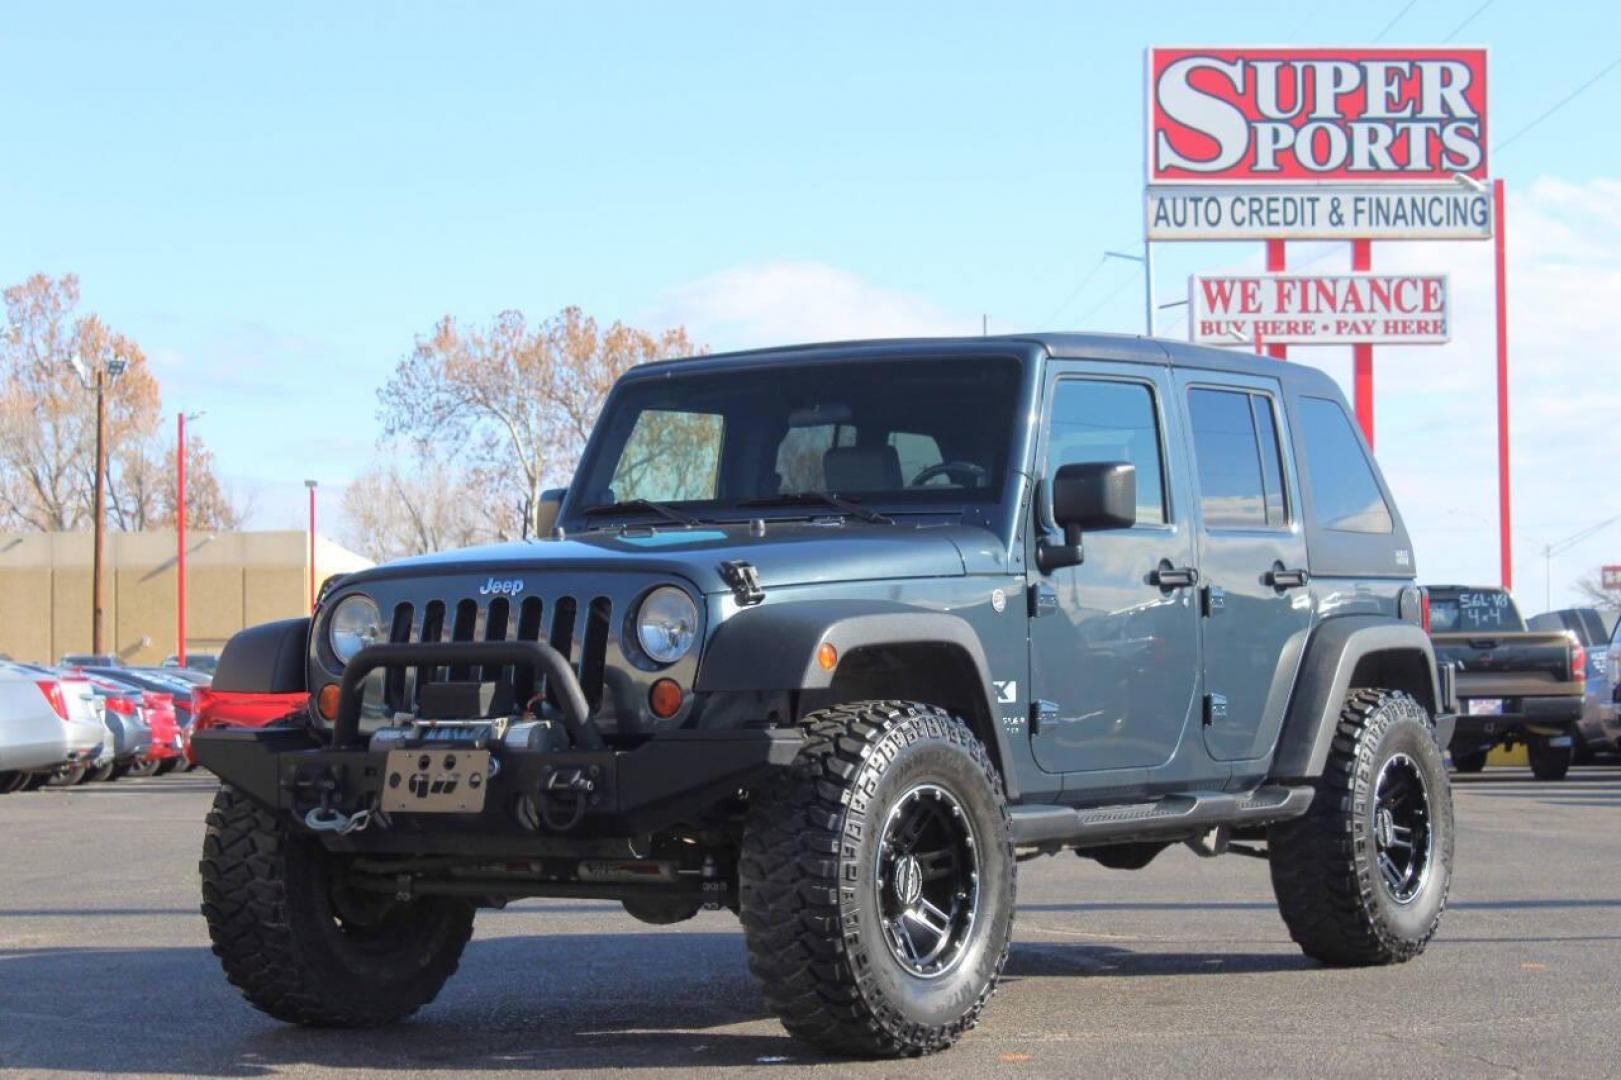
(559, 675)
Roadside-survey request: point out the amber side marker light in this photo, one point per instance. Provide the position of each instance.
(664, 698)
(827, 657)
(326, 702)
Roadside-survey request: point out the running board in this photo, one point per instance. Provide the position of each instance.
(1174, 817)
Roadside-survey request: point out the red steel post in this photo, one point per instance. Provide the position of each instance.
(180, 541)
(1362, 355)
(1505, 543)
(1276, 260)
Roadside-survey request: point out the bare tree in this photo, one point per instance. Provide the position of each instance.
(513, 403)
(48, 417)
(409, 503)
(1591, 587)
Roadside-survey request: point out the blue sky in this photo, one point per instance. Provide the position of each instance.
(274, 200)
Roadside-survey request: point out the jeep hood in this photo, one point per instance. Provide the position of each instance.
(790, 553)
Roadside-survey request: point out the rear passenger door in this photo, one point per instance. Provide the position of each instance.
(1252, 555)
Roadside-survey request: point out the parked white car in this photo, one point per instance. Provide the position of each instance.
(33, 725)
(89, 744)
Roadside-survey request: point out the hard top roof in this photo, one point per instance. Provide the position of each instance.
(1128, 348)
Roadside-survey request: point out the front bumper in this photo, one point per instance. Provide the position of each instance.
(620, 793)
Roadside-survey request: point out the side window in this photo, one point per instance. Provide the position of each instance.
(1343, 490)
(1235, 443)
(1099, 420)
(670, 457)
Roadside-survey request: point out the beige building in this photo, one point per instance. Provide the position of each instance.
(232, 580)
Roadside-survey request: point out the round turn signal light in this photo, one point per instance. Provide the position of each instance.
(664, 698)
(326, 702)
(827, 657)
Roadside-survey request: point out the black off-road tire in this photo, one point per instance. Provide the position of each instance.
(270, 910)
(808, 877)
(1548, 762)
(1470, 761)
(1325, 869)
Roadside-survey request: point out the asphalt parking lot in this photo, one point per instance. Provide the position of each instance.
(1183, 969)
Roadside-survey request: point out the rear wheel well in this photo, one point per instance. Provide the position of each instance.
(930, 673)
(1397, 669)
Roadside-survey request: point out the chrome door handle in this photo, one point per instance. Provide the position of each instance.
(1279, 578)
(1170, 577)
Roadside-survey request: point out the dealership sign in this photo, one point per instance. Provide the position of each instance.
(1369, 213)
(1320, 309)
(1610, 577)
(1317, 143)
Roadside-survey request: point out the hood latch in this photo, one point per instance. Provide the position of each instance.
(744, 581)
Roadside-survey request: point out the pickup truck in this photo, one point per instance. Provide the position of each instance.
(1514, 685)
(1600, 729)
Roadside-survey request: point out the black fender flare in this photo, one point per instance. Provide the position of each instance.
(1332, 655)
(774, 647)
(265, 659)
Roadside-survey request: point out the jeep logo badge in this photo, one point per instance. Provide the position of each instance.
(492, 587)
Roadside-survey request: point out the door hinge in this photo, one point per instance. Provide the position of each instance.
(1042, 713)
(1043, 600)
(1213, 600)
(1215, 709)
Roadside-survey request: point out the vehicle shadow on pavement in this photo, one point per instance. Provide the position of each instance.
(532, 1002)
(611, 1001)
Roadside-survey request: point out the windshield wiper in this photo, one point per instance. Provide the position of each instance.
(809, 498)
(669, 513)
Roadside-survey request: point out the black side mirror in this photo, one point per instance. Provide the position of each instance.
(551, 501)
(1087, 497)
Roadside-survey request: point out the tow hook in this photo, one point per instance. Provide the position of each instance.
(555, 791)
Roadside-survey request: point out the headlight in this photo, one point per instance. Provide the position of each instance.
(354, 624)
(667, 624)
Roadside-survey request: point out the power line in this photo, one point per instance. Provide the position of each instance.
(1070, 299)
(1391, 25)
(1471, 18)
(1097, 307)
(1560, 104)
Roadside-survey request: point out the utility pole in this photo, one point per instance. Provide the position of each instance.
(104, 373)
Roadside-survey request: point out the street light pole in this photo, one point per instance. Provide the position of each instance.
(1147, 261)
(311, 485)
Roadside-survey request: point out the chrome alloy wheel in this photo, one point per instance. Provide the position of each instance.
(927, 879)
(1403, 836)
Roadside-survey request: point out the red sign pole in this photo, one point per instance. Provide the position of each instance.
(1362, 355)
(1505, 543)
(1276, 263)
(180, 541)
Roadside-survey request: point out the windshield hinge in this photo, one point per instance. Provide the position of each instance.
(744, 581)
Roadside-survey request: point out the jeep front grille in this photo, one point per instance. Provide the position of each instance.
(579, 631)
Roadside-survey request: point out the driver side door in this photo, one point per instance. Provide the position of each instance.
(1113, 654)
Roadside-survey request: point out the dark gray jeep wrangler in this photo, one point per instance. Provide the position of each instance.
(833, 637)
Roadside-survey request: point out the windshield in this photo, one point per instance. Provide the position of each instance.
(916, 434)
